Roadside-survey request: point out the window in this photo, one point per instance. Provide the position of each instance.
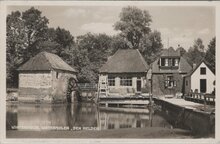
(126, 81)
(162, 62)
(111, 126)
(169, 62)
(202, 70)
(176, 62)
(111, 81)
(57, 75)
(186, 82)
(169, 82)
(166, 62)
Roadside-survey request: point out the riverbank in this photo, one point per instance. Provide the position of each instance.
(149, 132)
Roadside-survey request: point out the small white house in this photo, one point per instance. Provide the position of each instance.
(125, 73)
(201, 79)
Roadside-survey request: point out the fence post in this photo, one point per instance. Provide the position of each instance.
(204, 102)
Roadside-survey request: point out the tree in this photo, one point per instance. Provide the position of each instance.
(198, 44)
(181, 50)
(134, 24)
(196, 53)
(14, 43)
(97, 47)
(151, 46)
(64, 39)
(118, 42)
(210, 53)
(80, 61)
(35, 27)
(25, 32)
(57, 40)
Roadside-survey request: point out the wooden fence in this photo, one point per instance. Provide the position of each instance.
(88, 91)
(201, 98)
(87, 87)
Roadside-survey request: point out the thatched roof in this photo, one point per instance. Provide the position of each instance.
(45, 61)
(125, 61)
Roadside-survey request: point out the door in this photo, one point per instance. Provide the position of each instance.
(203, 85)
(138, 85)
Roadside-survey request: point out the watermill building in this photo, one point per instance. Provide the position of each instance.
(45, 78)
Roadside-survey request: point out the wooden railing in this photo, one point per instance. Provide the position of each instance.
(201, 98)
(87, 86)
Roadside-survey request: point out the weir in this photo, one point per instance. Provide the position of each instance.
(185, 114)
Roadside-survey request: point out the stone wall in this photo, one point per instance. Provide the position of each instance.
(35, 86)
(50, 86)
(35, 80)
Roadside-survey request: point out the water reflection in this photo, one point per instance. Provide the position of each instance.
(77, 116)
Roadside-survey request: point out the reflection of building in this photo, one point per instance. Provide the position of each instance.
(11, 117)
(44, 77)
(50, 117)
(168, 72)
(201, 78)
(114, 120)
(124, 73)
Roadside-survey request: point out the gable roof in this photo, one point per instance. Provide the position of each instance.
(202, 61)
(170, 52)
(45, 61)
(125, 61)
(184, 67)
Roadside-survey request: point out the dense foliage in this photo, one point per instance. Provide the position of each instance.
(28, 34)
(210, 53)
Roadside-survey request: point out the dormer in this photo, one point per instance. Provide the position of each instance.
(170, 59)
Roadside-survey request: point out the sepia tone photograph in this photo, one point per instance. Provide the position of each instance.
(112, 71)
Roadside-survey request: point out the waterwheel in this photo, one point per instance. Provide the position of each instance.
(72, 87)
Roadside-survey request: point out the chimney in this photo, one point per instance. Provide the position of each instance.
(194, 66)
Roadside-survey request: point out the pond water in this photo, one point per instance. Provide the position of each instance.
(78, 116)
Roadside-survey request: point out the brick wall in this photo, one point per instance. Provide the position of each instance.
(158, 84)
(43, 86)
(35, 80)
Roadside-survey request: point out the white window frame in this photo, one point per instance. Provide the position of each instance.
(111, 81)
(176, 62)
(126, 81)
(166, 62)
(169, 82)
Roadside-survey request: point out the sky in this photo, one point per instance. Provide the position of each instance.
(179, 25)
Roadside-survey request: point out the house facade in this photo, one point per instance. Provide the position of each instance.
(200, 79)
(168, 73)
(44, 77)
(124, 73)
